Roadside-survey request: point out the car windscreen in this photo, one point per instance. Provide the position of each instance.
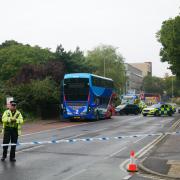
(76, 89)
(155, 106)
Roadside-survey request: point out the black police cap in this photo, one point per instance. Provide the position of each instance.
(13, 103)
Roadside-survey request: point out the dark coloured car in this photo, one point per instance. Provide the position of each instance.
(128, 109)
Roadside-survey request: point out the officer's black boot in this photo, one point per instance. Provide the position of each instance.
(3, 159)
(4, 153)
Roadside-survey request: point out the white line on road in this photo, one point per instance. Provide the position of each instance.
(27, 149)
(141, 152)
(113, 154)
(75, 174)
(127, 177)
(139, 140)
(149, 146)
(48, 130)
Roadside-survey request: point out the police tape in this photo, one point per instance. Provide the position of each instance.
(88, 139)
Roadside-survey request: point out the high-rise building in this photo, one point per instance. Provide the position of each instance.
(145, 67)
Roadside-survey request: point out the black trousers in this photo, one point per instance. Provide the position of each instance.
(10, 135)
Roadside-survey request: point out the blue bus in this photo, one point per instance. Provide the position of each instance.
(87, 96)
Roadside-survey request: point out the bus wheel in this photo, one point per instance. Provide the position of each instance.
(97, 115)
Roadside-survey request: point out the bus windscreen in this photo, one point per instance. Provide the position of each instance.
(76, 89)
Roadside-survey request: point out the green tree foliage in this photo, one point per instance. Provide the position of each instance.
(32, 76)
(163, 86)
(152, 84)
(14, 55)
(37, 97)
(106, 58)
(172, 86)
(169, 37)
(53, 68)
(74, 61)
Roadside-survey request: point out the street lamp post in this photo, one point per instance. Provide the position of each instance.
(172, 89)
(104, 68)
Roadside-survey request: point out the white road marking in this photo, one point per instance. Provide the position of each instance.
(48, 130)
(144, 150)
(75, 174)
(141, 152)
(150, 177)
(127, 177)
(113, 154)
(123, 164)
(139, 140)
(27, 149)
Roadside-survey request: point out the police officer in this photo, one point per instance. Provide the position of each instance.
(12, 120)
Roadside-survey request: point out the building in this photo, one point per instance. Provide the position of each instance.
(145, 67)
(134, 79)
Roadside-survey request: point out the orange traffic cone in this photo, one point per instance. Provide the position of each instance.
(132, 167)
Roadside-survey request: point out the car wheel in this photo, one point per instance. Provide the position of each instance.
(144, 114)
(136, 112)
(170, 114)
(156, 113)
(121, 113)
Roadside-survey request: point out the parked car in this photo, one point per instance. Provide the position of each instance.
(179, 110)
(128, 109)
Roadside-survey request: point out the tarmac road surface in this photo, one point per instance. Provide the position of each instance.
(101, 160)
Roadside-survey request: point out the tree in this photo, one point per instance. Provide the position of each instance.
(53, 68)
(38, 97)
(74, 61)
(169, 37)
(14, 55)
(152, 84)
(104, 60)
(172, 86)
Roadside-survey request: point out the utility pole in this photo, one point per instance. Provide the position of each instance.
(104, 68)
(172, 89)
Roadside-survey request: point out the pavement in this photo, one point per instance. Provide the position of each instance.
(164, 159)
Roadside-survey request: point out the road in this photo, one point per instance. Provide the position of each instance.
(103, 160)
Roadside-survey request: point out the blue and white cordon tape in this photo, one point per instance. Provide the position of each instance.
(89, 139)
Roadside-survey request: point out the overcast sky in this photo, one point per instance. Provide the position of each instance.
(130, 25)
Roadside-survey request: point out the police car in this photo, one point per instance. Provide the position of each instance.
(173, 106)
(158, 110)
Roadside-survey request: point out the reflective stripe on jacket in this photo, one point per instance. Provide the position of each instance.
(10, 120)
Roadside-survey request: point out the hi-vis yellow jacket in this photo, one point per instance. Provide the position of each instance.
(10, 120)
